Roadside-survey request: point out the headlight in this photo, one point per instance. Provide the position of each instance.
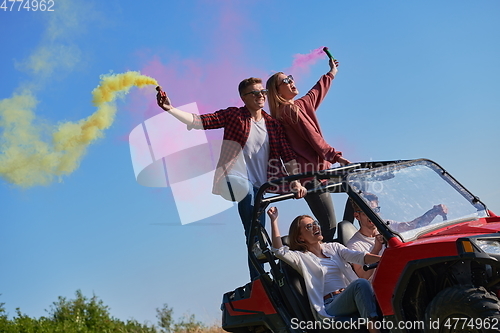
(489, 245)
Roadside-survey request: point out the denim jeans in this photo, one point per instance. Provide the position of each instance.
(245, 209)
(357, 297)
(321, 206)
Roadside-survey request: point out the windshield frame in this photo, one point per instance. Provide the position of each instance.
(385, 171)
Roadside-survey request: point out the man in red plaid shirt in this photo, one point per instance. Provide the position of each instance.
(254, 146)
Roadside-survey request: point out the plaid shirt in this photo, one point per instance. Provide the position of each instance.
(237, 123)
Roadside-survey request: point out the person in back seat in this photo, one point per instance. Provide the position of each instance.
(367, 238)
(332, 287)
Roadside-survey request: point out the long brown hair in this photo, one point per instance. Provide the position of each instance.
(294, 233)
(275, 101)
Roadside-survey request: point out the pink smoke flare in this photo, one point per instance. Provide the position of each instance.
(302, 62)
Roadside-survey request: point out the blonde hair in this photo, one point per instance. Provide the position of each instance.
(276, 102)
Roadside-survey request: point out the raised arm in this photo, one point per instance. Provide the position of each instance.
(165, 104)
(333, 67)
(318, 92)
(275, 232)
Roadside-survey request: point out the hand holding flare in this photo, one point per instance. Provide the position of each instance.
(325, 49)
(163, 100)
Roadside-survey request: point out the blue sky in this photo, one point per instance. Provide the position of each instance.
(417, 79)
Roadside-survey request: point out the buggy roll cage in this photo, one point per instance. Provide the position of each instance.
(338, 176)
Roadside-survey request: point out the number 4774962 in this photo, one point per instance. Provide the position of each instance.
(472, 323)
(27, 5)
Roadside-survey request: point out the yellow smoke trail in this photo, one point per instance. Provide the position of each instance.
(27, 160)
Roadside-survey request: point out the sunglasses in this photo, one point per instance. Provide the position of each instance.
(288, 79)
(257, 93)
(309, 226)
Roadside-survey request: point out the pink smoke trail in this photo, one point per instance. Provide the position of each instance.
(302, 62)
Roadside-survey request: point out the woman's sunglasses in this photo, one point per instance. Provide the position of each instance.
(288, 79)
(309, 226)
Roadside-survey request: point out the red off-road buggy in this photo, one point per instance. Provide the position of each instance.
(434, 276)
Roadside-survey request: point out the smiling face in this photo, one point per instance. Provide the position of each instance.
(286, 88)
(310, 232)
(252, 101)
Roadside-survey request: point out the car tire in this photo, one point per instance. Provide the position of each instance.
(463, 309)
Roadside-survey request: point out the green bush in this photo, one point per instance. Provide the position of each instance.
(90, 315)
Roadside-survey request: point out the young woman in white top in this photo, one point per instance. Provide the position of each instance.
(332, 286)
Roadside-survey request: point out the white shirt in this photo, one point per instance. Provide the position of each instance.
(252, 163)
(334, 276)
(256, 152)
(360, 242)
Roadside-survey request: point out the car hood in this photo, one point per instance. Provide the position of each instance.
(488, 225)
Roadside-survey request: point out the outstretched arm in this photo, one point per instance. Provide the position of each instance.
(165, 104)
(275, 232)
(423, 220)
(430, 215)
(318, 92)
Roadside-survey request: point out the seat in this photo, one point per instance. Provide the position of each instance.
(294, 291)
(345, 231)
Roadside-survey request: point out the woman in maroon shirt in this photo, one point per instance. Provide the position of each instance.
(302, 130)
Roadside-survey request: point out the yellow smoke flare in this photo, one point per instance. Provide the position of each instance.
(26, 160)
